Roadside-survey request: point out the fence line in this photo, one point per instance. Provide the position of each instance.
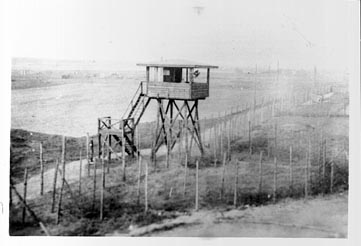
(229, 127)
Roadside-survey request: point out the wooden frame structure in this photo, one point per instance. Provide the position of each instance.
(170, 83)
(166, 132)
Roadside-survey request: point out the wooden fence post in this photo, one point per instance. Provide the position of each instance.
(109, 155)
(238, 124)
(185, 175)
(211, 126)
(87, 149)
(319, 158)
(153, 153)
(230, 126)
(260, 172)
(62, 183)
(324, 167)
(180, 141)
(223, 173)
(186, 136)
(109, 152)
(218, 133)
(202, 130)
(123, 150)
(88, 158)
(229, 142)
(209, 134)
(94, 183)
(249, 137)
(41, 171)
(170, 192)
(54, 185)
(139, 176)
(306, 176)
(197, 185)
(146, 187)
(215, 146)
(275, 150)
(168, 149)
(275, 180)
(11, 198)
(309, 164)
(331, 174)
(235, 186)
(24, 195)
(80, 168)
(102, 190)
(268, 146)
(291, 170)
(221, 135)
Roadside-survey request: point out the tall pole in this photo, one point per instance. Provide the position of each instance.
(101, 215)
(249, 137)
(223, 174)
(185, 175)
(315, 84)
(197, 186)
(235, 187)
(291, 170)
(215, 145)
(87, 148)
(260, 170)
(254, 96)
(278, 71)
(275, 180)
(41, 171)
(169, 133)
(109, 143)
(24, 195)
(54, 186)
(123, 150)
(186, 132)
(146, 187)
(62, 181)
(80, 168)
(139, 176)
(99, 140)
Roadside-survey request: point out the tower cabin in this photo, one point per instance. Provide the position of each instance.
(176, 80)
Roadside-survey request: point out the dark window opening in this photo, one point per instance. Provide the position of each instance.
(171, 74)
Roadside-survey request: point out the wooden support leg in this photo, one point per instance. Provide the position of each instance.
(99, 145)
(109, 152)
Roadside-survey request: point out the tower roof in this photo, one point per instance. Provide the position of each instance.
(176, 63)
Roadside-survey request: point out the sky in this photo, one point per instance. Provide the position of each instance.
(298, 34)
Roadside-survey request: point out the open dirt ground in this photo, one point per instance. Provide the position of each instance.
(318, 217)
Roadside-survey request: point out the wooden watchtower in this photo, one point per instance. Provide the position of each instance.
(176, 87)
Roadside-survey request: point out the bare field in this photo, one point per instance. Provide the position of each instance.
(48, 102)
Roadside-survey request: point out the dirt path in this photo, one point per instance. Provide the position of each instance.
(71, 175)
(72, 171)
(318, 217)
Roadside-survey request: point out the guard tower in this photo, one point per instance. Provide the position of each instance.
(176, 86)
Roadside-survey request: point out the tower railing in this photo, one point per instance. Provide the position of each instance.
(115, 124)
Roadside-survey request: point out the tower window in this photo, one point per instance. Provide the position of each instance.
(171, 74)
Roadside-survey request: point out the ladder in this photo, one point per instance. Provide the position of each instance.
(137, 105)
(123, 130)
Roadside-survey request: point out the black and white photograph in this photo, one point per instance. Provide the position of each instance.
(187, 119)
